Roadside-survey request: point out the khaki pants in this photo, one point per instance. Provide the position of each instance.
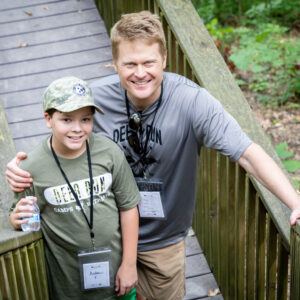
(161, 273)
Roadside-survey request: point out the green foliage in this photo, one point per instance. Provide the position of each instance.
(282, 152)
(233, 12)
(260, 44)
(291, 165)
(272, 58)
(285, 11)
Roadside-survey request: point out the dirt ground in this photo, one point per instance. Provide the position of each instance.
(280, 124)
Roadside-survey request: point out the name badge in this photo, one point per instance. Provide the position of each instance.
(94, 267)
(151, 204)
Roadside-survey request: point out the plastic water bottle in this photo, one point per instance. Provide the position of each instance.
(33, 223)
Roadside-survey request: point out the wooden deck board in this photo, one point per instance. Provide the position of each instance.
(52, 22)
(53, 63)
(66, 39)
(80, 44)
(42, 10)
(46, 36)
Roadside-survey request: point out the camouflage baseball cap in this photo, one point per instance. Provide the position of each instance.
(68, 94)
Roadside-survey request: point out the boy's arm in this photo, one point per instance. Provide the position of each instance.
(22, 209)
(126, 278)
(17, 178)
(258, 163)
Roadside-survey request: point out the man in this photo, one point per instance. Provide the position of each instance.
(161, 121)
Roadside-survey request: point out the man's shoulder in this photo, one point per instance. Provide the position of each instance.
(177, 87)
(105, 81)
(173, 78)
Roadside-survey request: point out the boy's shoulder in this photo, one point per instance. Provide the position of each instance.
(105, 142)
(37, 157)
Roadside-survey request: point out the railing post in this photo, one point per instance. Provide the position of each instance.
(295, 261)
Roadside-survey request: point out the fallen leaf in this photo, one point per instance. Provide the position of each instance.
(20, 44)
(29, 13)
(46, 7)
(212, 292)
(282, 40)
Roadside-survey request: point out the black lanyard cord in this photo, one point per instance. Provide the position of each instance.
(90, 223)
(144, 149)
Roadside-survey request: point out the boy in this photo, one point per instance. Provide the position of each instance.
(75, 217)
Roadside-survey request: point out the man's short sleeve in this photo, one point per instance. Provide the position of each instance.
(215, 128)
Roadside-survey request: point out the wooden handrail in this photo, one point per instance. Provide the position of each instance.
(22, 266)
(7, 152)
(22, 259)
(295, 261)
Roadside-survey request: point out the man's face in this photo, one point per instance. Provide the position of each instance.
(140, 67)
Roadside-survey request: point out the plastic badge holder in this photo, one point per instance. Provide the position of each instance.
(94, 266)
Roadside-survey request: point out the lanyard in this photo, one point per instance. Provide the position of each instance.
(90, 223)
(144, 149)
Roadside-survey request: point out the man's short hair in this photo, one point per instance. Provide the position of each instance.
(142, 25)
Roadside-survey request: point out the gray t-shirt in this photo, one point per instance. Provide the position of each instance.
(187, 119)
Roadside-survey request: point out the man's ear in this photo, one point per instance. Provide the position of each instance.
(165, 60)
(48, 120)
(115, 65)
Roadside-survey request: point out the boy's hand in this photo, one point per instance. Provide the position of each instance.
(17, 179)
(23, 209)
(126, 279)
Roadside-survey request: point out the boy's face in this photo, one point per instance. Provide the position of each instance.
(140, 67)
(70, 131)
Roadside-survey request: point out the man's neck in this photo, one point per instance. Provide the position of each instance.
(142, 104)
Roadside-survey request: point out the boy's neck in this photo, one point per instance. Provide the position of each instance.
(65, 153)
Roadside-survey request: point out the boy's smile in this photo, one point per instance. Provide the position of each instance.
(70, 131)
(140, 67)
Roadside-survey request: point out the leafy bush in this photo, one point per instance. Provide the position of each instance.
(272, 58)
(291, 165)
(258, 43)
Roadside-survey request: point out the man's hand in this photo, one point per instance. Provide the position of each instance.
(295, 215)
(126, 279)
(17, 179)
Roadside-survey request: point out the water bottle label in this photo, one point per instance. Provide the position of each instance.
(34, 218)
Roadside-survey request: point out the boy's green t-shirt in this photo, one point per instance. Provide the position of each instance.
(63, 225)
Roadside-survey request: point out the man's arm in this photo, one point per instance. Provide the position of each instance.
(259, 164)
(126, 278)
(17, 178)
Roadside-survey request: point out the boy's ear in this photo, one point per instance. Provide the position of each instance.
(47, 118)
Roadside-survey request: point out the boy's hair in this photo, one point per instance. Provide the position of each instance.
(68, 94)
(51, 111)
(142, 25)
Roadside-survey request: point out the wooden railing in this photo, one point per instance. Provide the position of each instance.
(22, 259)
(243, 229)
(22, 266)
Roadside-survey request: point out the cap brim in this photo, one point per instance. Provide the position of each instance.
(62, 108)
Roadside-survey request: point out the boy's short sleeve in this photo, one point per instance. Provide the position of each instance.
(124, 185)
